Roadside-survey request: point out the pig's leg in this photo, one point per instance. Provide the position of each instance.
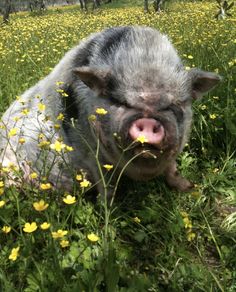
(175, 180)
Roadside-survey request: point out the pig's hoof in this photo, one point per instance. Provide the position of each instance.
(179, 183)
(184, 185)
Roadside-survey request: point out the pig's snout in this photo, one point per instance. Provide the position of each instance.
(149, 128)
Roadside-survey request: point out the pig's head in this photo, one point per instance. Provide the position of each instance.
(154, 116)
(148, 95)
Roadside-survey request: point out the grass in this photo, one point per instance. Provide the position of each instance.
(151, 239)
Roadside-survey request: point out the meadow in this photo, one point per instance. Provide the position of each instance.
(151, 238)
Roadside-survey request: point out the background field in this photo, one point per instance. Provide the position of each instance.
(151, 239)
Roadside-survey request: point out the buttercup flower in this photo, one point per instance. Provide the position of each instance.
(142, 139)
(46, 186)
(136, 220)
(45, 225)
(57, 126)
(191, 236)
(40, 206)
(1, 191)
(33, 175)
(12, 132)
(78, 177)
(59, 233)
(213, 116)
(85, 183)
(30, 227)
(41, 106)
(57, 146)
(108, 166)
(21, 140)
(2, 203)
(25, 111)
(1, 184)
(60, 117)
(92, 237)
(69, 148)
(101, 111)
(92, 118)
(64, 243)
(6, 229)
(69, 199)
(43, 144)
(14, 253)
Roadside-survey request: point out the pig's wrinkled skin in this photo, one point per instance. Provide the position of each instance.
(136, 75)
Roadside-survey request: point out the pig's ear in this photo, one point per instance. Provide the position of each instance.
(95, 78)
(202, 82)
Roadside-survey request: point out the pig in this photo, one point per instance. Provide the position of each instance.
(124, 98)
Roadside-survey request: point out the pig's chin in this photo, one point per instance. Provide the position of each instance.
(147, 152)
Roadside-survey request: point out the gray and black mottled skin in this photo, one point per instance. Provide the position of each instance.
(133, 72)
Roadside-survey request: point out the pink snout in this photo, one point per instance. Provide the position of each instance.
(151, 129)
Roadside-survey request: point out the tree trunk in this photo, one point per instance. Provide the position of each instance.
(146, 10)
(7, 11)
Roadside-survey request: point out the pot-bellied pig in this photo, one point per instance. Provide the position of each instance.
(121, 97)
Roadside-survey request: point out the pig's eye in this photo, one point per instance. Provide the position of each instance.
(177, 111)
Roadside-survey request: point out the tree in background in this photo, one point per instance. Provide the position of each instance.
(146, 6)
(224, 8)
(157, 4)
(6, 10)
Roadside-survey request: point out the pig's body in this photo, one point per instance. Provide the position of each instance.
(135, 74)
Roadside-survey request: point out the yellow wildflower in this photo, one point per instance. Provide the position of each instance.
(57, 126)
(101, 111)
(78, 177)
(187, 222)
(14, 253)
(40, 206)
(136, 220)
(191, 236)
(69, 148)
(1, 184)
(1, 191)
(6, 229)
(30, 227)
(58, 83)
(45, 225)
(64, 243)
(59, 233)
(25, 111)
(108, 166)
(57, 146)
(2, 203)
(92, 237)
(85, 183)
(33, 175)
(43, 144)
(45, 186)
(60, 117)
(142, 139)
(92, 118)
(69, 199)
(12, 132)
(190, 57)
(213, 116)
(41, 106)
(21, 140)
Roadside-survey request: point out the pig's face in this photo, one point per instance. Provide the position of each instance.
(153, 128)
(151, 122)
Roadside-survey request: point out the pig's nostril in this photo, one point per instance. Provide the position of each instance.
(156, 129)
(140, 128)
